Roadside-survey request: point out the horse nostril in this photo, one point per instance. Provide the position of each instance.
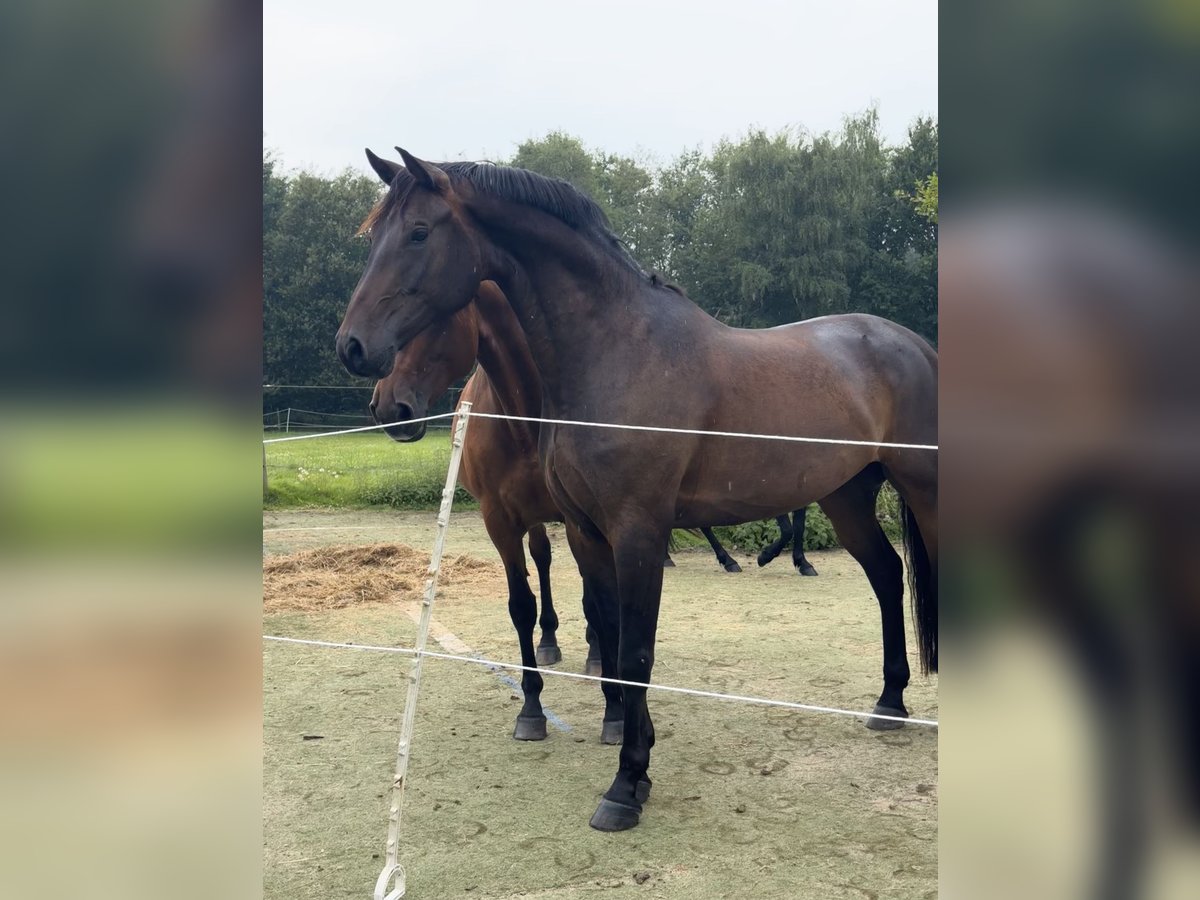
(404, 412)
(355, 353)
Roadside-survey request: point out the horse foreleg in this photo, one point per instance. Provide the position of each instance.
(548, 652)
(727, 562)
(803, 566)
(785, 535)
(640, 580)
(522, 609)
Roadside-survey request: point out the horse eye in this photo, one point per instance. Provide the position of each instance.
(419, 234)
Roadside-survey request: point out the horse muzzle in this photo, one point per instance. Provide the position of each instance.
(358, 361)
(393, 417)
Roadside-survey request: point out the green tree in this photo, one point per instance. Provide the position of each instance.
(926, 198)
(311, 263)
(783, 231)
(900, 280)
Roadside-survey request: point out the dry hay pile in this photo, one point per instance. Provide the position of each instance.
(335, 577)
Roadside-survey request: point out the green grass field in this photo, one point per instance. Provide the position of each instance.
(355, 470)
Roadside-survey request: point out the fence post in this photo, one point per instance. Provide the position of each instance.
(288, 427)
(392, 868)
(264, 446)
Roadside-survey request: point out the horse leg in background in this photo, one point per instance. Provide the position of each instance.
(594, 559)
(803, 566)
(669, 563)
(547, 652)
(728, 563)
(636, 554)
(522, 609)
(851, 510)
(785, 535)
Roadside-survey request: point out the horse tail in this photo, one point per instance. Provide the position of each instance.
(923, 587)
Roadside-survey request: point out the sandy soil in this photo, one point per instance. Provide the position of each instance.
(748, 800)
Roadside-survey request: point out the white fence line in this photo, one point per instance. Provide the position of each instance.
(654, 428)
(693, 692)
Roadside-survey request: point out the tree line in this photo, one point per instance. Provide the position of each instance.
(762, 230)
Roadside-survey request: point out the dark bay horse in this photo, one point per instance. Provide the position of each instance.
(790, 530)
(613, 345)
(500, 466)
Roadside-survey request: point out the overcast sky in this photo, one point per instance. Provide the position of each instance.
(472, 79)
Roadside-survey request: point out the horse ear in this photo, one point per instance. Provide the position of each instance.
(384, 169)
(426, 173)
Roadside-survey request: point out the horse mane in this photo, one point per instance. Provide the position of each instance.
(552, 196)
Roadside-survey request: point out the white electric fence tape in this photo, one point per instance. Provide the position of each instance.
(656, 428)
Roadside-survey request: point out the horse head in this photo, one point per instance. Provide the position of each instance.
(423, 266)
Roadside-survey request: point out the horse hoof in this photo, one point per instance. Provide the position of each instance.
(530, 728)
(732, 566)
(668, 563)
(613, 732)
(763, 559)
(806, 569)
(593, 667)
(548, 655)
(612, 816)
(876, 724)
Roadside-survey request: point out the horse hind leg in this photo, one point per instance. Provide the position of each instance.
(774, 549)
(803, 566)
(727, 562)
(548, 652)
(851, 510)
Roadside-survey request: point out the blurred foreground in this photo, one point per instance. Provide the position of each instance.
(1070, 435)
(130, 479)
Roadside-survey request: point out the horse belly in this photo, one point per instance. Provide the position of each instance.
(743, 484)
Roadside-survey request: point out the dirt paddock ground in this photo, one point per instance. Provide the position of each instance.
(747, 800)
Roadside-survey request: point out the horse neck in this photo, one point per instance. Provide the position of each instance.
(569, 294)
(504, 356)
